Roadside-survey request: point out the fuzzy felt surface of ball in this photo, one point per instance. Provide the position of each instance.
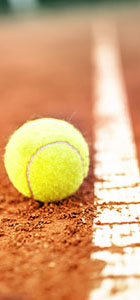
(47, 159)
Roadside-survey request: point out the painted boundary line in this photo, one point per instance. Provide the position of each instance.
(116, 235)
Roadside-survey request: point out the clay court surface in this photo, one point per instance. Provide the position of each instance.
(51, 251)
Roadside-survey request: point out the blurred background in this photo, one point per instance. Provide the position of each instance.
(7, 6)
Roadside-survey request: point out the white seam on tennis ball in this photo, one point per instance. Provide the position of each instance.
(43, 147)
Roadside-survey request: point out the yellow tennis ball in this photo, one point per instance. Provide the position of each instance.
(47, 159)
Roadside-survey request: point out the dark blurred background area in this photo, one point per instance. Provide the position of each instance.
(10, 6)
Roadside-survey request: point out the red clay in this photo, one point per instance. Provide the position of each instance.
(45, 249)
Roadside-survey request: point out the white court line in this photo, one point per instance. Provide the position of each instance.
(116, 228)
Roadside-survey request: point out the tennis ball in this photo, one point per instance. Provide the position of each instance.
(47, 159)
